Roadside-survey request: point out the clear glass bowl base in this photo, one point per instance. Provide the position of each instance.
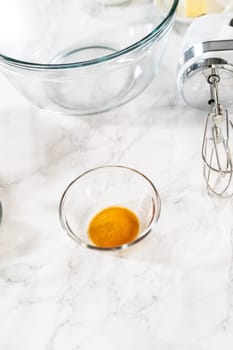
(96, 93)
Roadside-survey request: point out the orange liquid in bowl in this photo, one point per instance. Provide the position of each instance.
(113, 226)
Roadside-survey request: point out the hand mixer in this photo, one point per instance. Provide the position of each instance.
(205, 80)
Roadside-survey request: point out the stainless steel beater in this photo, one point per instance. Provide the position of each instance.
(216, 147)
(205, 80)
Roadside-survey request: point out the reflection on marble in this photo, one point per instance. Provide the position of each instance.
(174, 291)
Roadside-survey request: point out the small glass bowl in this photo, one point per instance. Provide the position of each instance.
(103, 187)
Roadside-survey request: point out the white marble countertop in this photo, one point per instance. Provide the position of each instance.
(174, 291)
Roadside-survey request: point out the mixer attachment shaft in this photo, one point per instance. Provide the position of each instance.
(216, 148)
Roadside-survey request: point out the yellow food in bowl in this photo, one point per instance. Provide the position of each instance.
(195, 8)
(113, 227)
(189, 9)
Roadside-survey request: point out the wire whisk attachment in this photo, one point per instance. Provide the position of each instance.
(217, 148)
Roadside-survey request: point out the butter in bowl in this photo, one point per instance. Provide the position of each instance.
(195, 8)
(191, 9)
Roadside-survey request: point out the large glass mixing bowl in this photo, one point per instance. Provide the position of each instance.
(83, 56)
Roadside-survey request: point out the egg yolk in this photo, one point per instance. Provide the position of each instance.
(113, 226)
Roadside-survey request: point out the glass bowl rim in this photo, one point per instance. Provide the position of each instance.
(160, 28)
(72, 235)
